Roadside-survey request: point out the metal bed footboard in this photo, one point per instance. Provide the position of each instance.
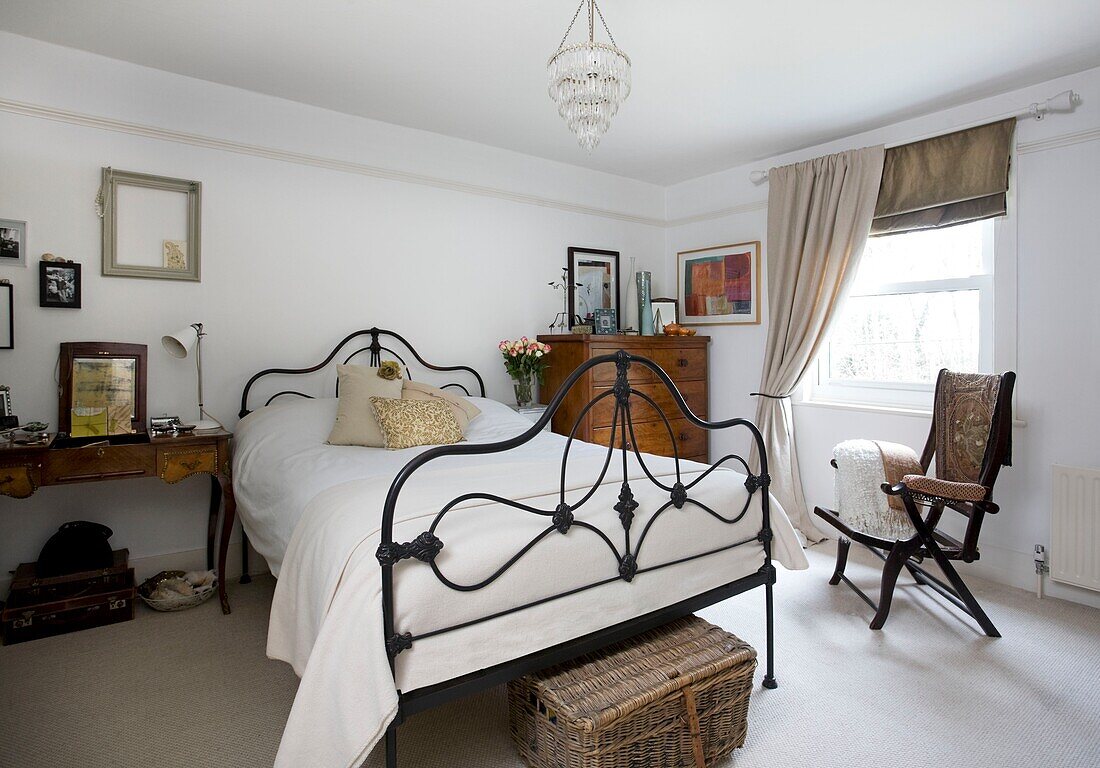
(563, 519)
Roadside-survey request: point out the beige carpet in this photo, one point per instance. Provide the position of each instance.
(193, 689)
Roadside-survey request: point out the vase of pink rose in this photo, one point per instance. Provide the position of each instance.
(525, 361)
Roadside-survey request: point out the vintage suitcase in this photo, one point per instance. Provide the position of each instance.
(39, 608)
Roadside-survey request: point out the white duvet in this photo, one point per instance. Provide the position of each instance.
(313, 511)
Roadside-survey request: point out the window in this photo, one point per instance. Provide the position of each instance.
(921, 301)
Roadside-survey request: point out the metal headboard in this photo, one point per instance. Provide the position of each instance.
(375, 348)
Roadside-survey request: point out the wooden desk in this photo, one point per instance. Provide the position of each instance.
(25, 469)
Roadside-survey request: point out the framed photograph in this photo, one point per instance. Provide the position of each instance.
(7, 316)
(102, 388)
(59, 284)
(719, 285)
(13, 243)
(594, 276)
(665, 311)
(152, 226)
(605, 322)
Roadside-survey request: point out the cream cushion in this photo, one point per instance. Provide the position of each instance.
(409, 423)
(463, 409)
(356, 423)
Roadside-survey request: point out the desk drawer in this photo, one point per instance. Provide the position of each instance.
(103, 462)
(694, 393)
(174, 464)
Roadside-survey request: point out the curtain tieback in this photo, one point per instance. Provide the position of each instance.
(773, 397)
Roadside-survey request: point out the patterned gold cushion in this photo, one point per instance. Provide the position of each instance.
(964, 409)
(945, 489)
(409, 423)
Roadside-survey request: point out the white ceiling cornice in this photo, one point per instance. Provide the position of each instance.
(345, 166)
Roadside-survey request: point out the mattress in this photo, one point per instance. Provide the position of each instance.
(313, 511)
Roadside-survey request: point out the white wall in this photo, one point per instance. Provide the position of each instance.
(1048, 316)
(294, 256)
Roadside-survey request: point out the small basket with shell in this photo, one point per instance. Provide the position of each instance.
(177, 590)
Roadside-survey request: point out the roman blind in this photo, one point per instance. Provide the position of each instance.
(945, 180)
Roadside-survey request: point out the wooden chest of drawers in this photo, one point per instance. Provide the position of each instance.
(684, 359)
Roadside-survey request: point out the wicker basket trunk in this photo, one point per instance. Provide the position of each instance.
(674, 696)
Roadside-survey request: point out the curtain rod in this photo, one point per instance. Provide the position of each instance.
(1066, 101)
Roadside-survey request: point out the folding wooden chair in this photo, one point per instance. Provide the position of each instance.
(971, 438)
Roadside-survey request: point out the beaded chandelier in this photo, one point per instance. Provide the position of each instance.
(589, 80)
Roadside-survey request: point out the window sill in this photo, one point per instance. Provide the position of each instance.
(891, 410)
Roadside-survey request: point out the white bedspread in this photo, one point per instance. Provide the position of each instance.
(326, 617)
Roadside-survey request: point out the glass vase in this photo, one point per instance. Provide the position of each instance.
(524, 387)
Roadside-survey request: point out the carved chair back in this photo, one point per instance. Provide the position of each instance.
(971, 437)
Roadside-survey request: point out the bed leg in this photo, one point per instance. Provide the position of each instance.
(391, 746)
(769, 674)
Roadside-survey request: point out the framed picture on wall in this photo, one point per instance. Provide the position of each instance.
(59, 284)
(152, 226)
(13, 243)
(719, 285)
(7, 317)
(595, 277)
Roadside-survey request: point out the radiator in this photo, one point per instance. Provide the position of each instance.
(1075, 527)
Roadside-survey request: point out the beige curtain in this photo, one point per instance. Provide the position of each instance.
(819, 218)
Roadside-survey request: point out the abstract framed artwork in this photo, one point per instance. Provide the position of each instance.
(719, 285)
(594, 277)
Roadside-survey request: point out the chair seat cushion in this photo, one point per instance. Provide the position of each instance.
(945, 489)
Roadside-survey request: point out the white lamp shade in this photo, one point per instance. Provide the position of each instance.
(180, 343)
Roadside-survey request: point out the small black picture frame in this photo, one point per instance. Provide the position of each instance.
(59, 284)
(605, 322)
(7, 316)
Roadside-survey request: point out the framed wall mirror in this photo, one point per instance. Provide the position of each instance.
(152, 226)
(102, 389)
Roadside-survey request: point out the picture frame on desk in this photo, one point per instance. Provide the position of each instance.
(605, 322)
(102, 377)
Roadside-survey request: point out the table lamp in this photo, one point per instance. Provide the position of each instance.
(179, 344)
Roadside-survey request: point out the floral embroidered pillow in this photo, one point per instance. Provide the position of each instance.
(409, 423)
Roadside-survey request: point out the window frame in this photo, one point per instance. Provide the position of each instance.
(913, 395)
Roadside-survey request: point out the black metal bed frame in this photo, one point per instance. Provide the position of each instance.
(561, 520)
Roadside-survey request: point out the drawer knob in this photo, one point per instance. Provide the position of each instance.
(683, 436)
(682, 362)
(100, 452)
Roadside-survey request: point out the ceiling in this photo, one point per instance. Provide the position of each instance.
(716, 83)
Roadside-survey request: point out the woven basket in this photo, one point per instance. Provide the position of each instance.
(675, 696)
